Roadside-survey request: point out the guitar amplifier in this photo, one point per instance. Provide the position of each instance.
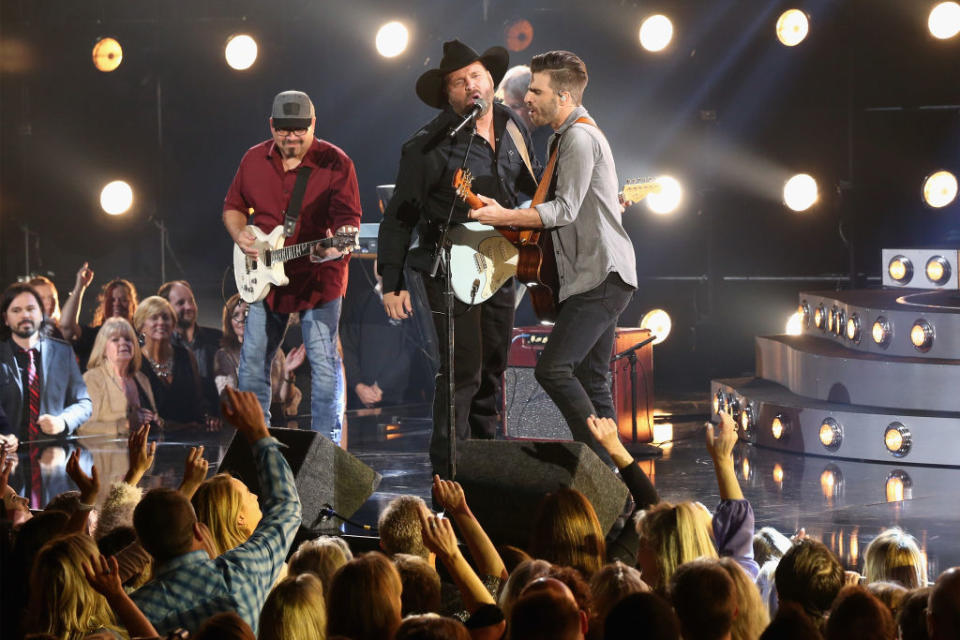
(529, 413)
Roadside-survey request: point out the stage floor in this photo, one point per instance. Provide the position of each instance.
(844, 503)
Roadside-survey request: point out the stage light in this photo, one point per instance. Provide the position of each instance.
(818, 317)
(804, 310)
(659, 323)
(899, 486)
(795, 324)
(518, 35)
(779, 428)
(944, 20)
(747, 418)
(668, 198)
(746, 471)
(921, 335)
(241, 51)
(656, 32)
(800, 192)
(831, 318)
(897, 439)
(831, 434)
(392, 39)
(853, 328)
(107, 54)
(939, 189)
(881, 332)
(831, 482)
(938, 270)
(116, 198)
(840, 322)
(900, 269)
(793, 26)
(778, 475)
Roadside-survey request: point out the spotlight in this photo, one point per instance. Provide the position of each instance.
(107, 54)
(519, 35)
(792, 27)
(853, 328)
(804, 310)
(831, 434)
(944, 20)
(899, 486)
(840, 322)
(392, 39)
(900, 269)
(921, 335)
(658, 322)
(800, 192)
(881, 332)
(795, 324)
(831, 318)
(939, 189)
(780, 427)
(668, 198)
(938, 270)
(818, 317)
(656, 32)
(747, 418)
(116, 198)
(897, 439)
(241, 51)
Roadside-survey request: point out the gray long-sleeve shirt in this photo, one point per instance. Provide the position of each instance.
(584, 216)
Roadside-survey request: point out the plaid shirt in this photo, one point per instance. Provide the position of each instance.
(190, 588)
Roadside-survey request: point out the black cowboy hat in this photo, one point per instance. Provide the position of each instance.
(457, 55)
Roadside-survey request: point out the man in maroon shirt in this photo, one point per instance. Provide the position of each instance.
(263, 186)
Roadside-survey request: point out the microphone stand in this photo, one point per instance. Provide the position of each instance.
(638, 448)
(442, 252)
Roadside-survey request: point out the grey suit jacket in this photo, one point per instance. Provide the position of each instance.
(63, 394)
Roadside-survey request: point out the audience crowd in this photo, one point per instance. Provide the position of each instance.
(212, 559)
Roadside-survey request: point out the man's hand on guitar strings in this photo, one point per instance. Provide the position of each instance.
(491, 213)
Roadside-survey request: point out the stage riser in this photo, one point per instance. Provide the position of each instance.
(934, 438)
(822, 374)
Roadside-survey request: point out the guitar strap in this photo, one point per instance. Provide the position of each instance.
(543, 189)
(292, 213)
(521, 146)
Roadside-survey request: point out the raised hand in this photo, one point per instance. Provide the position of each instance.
(449, 495)
(84, 276)
(89, 485)
(194, 471)
(438, 535)
(721, 445)
(140, 453)
(605, 431)
(243, 411)
(294, 359)
(104, 576)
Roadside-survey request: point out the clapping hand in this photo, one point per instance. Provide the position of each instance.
(141, 454)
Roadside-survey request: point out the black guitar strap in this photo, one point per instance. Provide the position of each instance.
(292, 214)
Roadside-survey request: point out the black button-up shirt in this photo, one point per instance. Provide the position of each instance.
(424, 188)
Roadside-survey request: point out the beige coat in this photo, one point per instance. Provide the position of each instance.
(110, 409)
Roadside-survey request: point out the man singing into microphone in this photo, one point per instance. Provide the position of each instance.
(494, 146)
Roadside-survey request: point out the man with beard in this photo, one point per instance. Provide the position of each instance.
(595, 258)
(41, 389)
(202, 341)
(264, 186)
(496, 150)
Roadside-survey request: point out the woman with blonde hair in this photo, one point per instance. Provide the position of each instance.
(121, 394)
(893, 556)
(294, 610)
(609, 586)
(363, 601)
(321, 557)
(229, 509)
(566, 532)
(752, 617)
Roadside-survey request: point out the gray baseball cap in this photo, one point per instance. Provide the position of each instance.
(292, 110)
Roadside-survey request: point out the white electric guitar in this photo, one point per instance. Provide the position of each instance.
(482, 259)
(255, 276)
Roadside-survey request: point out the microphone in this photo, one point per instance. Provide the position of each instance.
(479, 108)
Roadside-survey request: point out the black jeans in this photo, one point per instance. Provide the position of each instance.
(575, 362)
(481, 345)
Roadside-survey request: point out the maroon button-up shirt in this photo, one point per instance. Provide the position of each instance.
(331, 200)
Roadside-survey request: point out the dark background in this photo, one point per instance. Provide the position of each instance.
(726, 109)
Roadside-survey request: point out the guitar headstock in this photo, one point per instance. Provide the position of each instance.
(639, 188)
(462, 182)
(346, 240)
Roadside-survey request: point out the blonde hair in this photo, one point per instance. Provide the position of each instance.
(321, 557)
(676, 534)
(752, 615)
(62, 602)
(294, 610)
(110, 328)
(610, 585)
(895, 557)
(566, 532)
(217, 504)
(399, 527)
(150, 307)
(363, 601)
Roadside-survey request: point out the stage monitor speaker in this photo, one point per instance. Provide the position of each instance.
(504, 482)
(324, 473)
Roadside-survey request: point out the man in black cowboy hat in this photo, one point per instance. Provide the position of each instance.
(496, 151)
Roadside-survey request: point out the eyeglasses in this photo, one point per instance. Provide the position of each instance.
(290, 132)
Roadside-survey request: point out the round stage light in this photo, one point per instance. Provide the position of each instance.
(107, 54)
(939, 189)
(240, 52)
(921, 335)
(840, 322)
(831, 434)
(881, 332)
(779, 428)
(392, 39)
(804, 310)
(793, 26)
(944, 20)
(897, 439)
(853, 328)
(656, 32)
(800, 192)
(831, 318)
(795, 324)
(818, 317)
(938, 270)
(719, 402)
(778, 474)
(668, 198)
(831, 482)
(116, 198)
(747, 417)
(900, 269)
(659, 323)
(899, 486)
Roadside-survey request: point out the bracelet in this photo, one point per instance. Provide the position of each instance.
(81, 506)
